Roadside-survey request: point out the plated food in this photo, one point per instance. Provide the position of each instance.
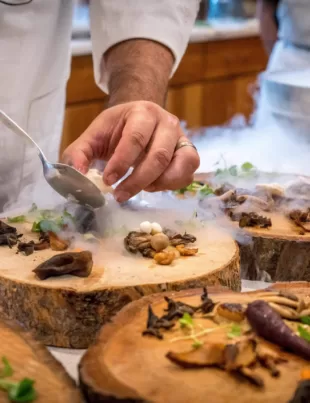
(29, 373)
(192, 344)
(69, 278)
(268, 214)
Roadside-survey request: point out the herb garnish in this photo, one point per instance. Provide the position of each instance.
(22, 391)
(234, 332)
(303, 333)
(19, 218)
(305, 320)
(186, 321)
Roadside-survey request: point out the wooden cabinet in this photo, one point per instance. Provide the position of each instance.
(210, 86)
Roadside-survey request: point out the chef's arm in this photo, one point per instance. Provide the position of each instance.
(138, 44)
(134, 76)
(266, 12)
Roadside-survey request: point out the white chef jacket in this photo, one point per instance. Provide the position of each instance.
(292, 50)
(35, 66)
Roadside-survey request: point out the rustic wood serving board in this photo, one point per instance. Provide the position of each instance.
(279, 253)
(126, 367)
(68, 311)
(30, 359)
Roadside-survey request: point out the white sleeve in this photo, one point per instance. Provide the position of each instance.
(168, 22)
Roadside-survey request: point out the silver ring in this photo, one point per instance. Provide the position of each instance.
(185, 144)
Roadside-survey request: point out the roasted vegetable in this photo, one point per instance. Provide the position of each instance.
(230, 311)
(75, 263)
(57, 243)
(268, 324)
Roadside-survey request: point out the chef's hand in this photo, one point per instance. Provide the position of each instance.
(137, 134)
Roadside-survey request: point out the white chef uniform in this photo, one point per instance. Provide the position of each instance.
(292, 50)
(35, 65)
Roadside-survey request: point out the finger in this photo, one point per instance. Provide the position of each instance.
(154, 164)
(95, 141)
(180, 171)
(79, 155)
(136, 135)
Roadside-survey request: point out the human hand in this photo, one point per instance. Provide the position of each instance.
(141, 135)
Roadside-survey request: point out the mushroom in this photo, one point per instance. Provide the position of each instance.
(273, 189)
(75, 263)
(254, 201)
(57, 243)
(186, 251)
(159, 242)
(207, 355)
(233, 312)
(164, 258)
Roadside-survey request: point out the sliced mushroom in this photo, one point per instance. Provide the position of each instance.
(241, 354)
(186, 251)
(251, 376)
(75, 263)
(227, 195)
(205, 356)
(230, 311)
(280, 300)
(284, 312)
(57, 243)
(274, 189)
(254, 201)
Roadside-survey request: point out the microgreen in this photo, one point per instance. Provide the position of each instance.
(234, 332)
(305, 320)
(186, 321)
(22, 391)
(303, 333)
(19, 218)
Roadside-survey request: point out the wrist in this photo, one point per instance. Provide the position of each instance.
(135, 74)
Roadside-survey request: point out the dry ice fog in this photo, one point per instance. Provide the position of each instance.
(270, 142)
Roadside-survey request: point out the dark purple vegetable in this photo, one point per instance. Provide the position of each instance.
(268, 324)
(302, 393)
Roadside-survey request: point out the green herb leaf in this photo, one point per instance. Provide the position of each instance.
(22, 391)
(303, 333)
(49, 226)
(206, 190)
(7, 369)
(219, 172)
(233, 170)
(36, 227)
(305, 320)
(197, 344)
(247, 166)
(19, 218)
(186, 321)
(235, 331)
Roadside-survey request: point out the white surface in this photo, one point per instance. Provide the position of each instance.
(219, 31)
(70, 358)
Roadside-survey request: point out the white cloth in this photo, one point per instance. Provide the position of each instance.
(35, 65)
(293, 16)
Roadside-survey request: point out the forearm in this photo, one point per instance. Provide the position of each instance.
(266, 11)
(138, 70)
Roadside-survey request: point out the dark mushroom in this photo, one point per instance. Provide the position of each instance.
(57, 243)
(75, 263)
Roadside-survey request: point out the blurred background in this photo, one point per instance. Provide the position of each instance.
(214, 82)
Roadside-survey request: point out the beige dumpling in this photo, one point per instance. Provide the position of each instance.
(96, 177)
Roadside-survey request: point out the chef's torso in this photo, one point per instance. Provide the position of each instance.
(34, 67)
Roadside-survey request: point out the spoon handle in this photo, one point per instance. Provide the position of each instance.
(10, 124)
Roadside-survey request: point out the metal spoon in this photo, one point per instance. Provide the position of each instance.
(67, 181)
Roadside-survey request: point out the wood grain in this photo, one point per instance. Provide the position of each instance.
(123, 366)
(31, 359)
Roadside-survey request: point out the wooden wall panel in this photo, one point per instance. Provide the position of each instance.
(77, 119)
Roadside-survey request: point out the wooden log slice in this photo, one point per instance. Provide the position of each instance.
(124, 366)
(278, 253)
(68, 311)
(30, 359)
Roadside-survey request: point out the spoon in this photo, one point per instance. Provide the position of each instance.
(65, 180)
